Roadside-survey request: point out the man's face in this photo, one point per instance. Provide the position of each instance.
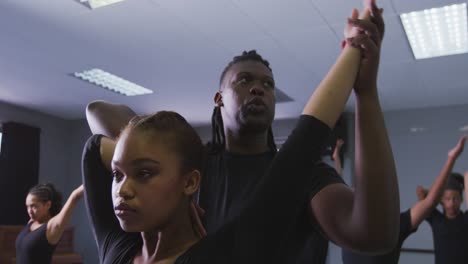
(247, 96)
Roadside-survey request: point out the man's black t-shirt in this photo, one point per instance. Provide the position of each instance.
(269, 229)
(350, 257)
(450, 237)
(230, 180)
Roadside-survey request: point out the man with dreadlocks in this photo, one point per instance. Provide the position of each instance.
(243, 147)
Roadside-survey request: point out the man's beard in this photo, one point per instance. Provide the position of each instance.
(254, 122)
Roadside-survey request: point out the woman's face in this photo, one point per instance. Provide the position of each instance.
(37, 210)
(451, 201)
(148, 190)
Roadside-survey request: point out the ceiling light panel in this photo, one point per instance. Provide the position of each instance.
(464, 128)
(112, 82)
(437, 31)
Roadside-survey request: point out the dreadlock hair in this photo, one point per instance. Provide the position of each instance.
(179, 135)
(250, 55)
(47, 192)
(218, 138)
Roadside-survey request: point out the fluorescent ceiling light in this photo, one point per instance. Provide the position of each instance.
(112, 82)
(437, 31)
(417, 129)
(464, 129)
(93, 4)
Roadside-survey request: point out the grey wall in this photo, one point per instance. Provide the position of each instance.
(53, 163)
(60, 155)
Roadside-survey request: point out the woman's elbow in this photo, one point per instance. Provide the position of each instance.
(382, 241)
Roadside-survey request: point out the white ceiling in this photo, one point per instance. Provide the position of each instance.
(178, 48)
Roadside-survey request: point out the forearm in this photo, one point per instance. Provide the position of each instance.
(466, 187)
(376, 203)
(97, 182)
(338, 168)
(107, 119)
(437, 188)
(330, 97)
(57, 224)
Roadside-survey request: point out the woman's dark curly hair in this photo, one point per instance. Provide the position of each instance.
(47, 192)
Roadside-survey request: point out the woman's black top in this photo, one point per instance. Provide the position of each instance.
(32, 246)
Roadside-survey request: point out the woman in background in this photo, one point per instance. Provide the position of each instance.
(37, 241)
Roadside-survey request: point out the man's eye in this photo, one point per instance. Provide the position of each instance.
(269, 85)
(242, 80)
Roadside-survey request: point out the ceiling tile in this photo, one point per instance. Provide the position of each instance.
(336, 11)
(277, 16)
